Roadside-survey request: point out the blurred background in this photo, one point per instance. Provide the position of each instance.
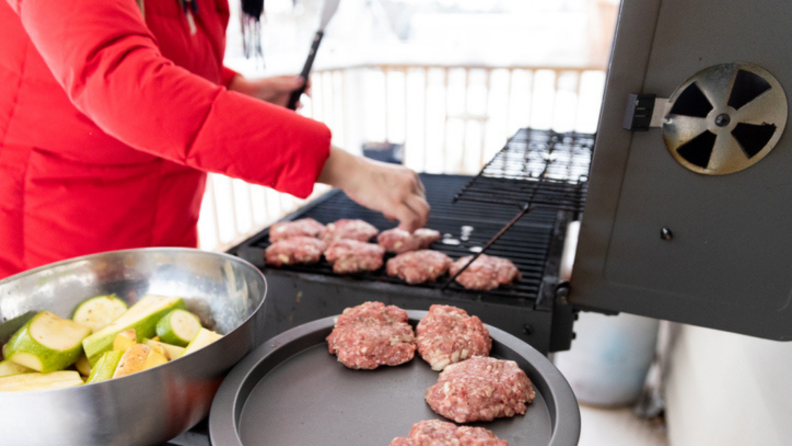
(441, 83)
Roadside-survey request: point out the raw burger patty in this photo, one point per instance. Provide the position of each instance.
(304, 250)
(426, 237)
(371, 335)
(486, 273)
(307, 227)
(352, 256)
(399, 241)
(348, 229)
(419, 266)
(480, 389)
(443, 433)
(447, 335)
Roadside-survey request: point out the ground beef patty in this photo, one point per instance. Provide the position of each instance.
(370, 335)
(426, 237)
(447, 335)
(348, 229)
(486, 273)
(307, 227)
(480, 389)
(419, 266)
(443, 433)
(352, 256)
(399, 241)
(303, 250)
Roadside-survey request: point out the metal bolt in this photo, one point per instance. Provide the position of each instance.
(561, 294)
(666, 234)
(722, 120)
(528, 328)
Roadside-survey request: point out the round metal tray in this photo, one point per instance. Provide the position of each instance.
(291, 391)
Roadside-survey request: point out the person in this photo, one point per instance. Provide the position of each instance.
(112, 113)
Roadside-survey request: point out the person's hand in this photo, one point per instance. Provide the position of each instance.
(276, 90)
(394, 190)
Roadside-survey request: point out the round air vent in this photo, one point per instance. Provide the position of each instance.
(725, 118)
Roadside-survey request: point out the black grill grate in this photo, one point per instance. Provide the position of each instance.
(526, 243)
(537, 169)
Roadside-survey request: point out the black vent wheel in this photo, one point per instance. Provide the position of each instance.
(725, 118)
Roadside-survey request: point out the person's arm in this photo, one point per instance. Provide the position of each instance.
(109, 64)
(275, 90)
(394, 190)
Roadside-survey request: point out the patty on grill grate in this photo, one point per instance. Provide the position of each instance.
(426, 237)
(305, 227)
(485, 273)
(399, 241)
(352, 256)
(295, 250)
(419, 266)
(348, 229)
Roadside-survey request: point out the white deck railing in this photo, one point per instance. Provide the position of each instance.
(451, 119)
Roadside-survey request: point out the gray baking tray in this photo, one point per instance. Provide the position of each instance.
(292, 392)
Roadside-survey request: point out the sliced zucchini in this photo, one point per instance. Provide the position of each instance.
(83, 366)
(178, 327)
(99, 311)
(40, 381)
(105, 367)
(142, 317)
(201, 340)
(8, 368)
(47, 343)
(172, 351)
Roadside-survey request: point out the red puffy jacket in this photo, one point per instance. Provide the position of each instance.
(109, 123)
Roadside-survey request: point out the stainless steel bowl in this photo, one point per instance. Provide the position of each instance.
(149, 407)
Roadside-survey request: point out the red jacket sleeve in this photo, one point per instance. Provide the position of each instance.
(112, 70)
(228, 76)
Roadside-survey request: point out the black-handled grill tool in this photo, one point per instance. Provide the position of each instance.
(330, 8)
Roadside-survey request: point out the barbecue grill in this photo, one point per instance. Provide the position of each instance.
(517, 207)
(308, 292)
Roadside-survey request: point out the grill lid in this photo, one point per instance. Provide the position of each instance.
(660, 239)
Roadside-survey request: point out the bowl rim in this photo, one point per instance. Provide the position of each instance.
(29, 272)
